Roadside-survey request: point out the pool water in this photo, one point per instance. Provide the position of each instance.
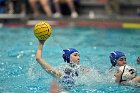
(20, 73)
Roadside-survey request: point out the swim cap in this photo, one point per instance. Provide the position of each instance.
(67, 53)
(114, 56)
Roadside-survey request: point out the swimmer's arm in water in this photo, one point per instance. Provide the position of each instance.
(118, 75)
(85, 70)
(45, 65)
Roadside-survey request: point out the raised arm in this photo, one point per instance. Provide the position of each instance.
(45, 65)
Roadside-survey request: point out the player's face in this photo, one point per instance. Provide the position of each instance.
(121, 61)
(75, 57)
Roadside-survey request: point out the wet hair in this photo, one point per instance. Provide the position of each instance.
(67, 53)
(114, 56)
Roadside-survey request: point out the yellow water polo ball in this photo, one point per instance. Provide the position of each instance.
(42, 30)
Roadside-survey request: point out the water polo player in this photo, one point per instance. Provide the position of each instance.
(70, 72)
(124, 74)
(71, 56)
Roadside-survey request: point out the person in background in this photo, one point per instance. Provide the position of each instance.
(70, 4)
(11, 9)
(125, 75)
(45, 5)
(16, 6)
(138, 60)
(23, 7)
(112, 7)
(2, 6)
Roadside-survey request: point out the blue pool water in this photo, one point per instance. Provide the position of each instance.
(20, 73)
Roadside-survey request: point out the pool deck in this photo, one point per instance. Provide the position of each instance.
(84, 20)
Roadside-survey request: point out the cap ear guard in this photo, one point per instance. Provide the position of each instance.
(67, 53)
(66, 59)
(113, 61)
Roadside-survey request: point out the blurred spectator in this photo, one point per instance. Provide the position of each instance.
(138, 11)
(44, 4)
(11, 9)
(112, 7)
(2, 6)
(70, 4)
(23, 6)
(16, 6)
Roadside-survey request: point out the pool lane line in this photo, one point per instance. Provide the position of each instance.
(97, 24)
(131, 25)
(65, 23)
(100, 24)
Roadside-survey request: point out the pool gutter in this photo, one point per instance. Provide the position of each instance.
(98, 21)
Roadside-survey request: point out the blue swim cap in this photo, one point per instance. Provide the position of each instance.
(67, 53)
(114, 56)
